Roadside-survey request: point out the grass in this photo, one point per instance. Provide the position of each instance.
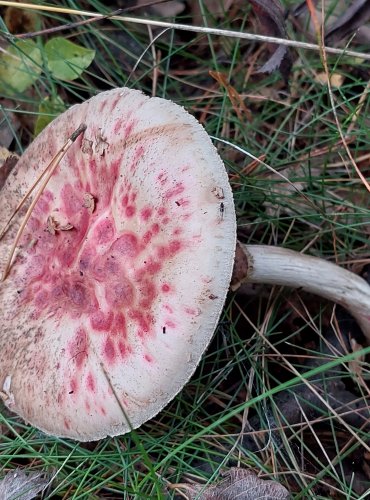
(265, 337)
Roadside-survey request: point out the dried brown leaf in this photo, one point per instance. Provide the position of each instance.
(270, 14)
(343, 20)
(336, 79)
(21, 486)
(357, 14)
(20, 21)
(242, 484)
(236, 100)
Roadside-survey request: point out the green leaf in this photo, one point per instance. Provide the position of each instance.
(20, 66)
(49, 108)
(66, 60)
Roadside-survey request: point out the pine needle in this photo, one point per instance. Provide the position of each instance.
(49, 172)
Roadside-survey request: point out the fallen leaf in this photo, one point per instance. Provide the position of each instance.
(20, 21)
(363, 35)
(341, 19)
(67, 60)
(17, 485)
(20, 66)
(270, 14)
(49, 108)
(357, 14)
(242, 484)
(336, 79)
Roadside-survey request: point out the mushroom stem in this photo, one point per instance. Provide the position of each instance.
(280, 266)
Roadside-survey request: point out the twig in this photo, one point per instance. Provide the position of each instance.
(63, 27)
(194, 29)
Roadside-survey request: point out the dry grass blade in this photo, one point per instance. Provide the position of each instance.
(22, 202)
(357, 15)
(323, 53)
(194, 29)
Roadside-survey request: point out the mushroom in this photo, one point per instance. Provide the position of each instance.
(121, 272)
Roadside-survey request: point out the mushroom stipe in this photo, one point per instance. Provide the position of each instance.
(122, 268)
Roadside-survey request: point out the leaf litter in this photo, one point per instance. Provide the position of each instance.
(19, 485)
(241, 484)
(271, 16)
(345, 19)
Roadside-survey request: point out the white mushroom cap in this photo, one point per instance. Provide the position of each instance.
(102, 324)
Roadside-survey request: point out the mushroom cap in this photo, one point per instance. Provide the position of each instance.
(122, 270)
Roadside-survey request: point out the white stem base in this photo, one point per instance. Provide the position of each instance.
(279, 266)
